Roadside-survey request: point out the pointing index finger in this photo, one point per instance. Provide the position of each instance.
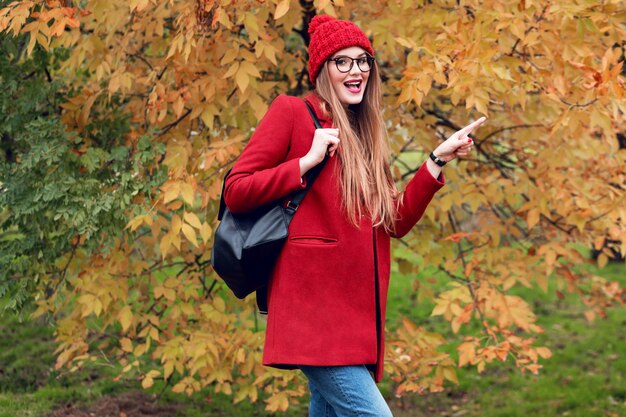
(468, 129)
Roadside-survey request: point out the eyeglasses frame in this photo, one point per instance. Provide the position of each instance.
(369, 58)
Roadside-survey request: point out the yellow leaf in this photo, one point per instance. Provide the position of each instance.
(176, 241)
(138, 4)
(467, 354)
(405, 94)
(258, 105)
(168, 369)
(153, 373)
(187, 192)
(229, 56)
(226, 388)
(441, 308)
(31, 43)
(532, 218)
(57, 28)
(114, 83)
(455, 325)
(43, 41)
(252, 26)
(578, 219)
(165, 244)
(171, 282)
(178, 106)
(158, 292)
(134, 223)
(180, 387)
(126, 344)
(602, 120)
(125, 317)
(205, 232)
(31, 27)
(97, 307)
(250, 69)
(224, 20)
(270, 53)
(193, 220)
(176, 224)
(424, 83)
(281, 9)
(207, 117)
(469, 268)
(242, 79)
(86, 110)
(62, 359)
(154, 333)
(404, 42)
(450, 374)
(176, 44)
(276, 402)
(190, 234)
(544, 352)
(598, 243)
(147, 382)
(440, 77)
(169, 294)
(171, 193)
(518, 28)
(502, 72)
(231, 71)
(219, 304)
(322, 4)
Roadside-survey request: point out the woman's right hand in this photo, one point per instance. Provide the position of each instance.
(323, 141)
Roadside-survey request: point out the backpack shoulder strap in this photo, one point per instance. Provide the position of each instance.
(220, 213)
(311, 175)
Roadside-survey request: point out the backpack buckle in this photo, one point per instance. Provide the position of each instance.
(292, 206)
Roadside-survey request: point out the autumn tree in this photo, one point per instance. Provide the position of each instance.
(112, 173)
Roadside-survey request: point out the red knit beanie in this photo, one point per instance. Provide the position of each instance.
(329, 35)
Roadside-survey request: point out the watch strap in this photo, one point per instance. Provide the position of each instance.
(436, 160)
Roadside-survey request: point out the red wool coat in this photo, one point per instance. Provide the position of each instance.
(328, 292)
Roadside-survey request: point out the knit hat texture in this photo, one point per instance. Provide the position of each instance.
(329, 35)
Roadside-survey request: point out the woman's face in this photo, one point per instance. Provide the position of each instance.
(349, 86)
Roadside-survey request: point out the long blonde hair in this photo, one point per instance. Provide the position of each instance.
(366, 182)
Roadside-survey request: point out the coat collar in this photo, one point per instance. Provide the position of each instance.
(315, 101)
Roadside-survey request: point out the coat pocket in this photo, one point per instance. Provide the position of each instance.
(312, 240)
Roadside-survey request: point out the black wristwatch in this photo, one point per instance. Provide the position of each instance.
(438, 161)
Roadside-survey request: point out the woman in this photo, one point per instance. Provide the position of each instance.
(327, 294)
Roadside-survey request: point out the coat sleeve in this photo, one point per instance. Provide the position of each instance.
(262, 174)
(415, 198)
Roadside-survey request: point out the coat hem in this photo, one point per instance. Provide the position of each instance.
(374, 368)
(295, 361)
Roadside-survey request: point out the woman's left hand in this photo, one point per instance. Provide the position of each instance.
(459, 144)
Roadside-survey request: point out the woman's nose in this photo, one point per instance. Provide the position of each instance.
(355, 68)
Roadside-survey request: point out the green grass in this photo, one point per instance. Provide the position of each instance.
(584, 378)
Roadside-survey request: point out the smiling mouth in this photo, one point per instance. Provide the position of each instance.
(354, 87)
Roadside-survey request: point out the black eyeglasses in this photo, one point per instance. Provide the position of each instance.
(345, 63)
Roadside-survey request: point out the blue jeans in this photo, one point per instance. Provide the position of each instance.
(344, 391)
